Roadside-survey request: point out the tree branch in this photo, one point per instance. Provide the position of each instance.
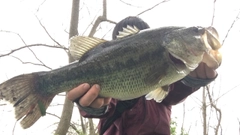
(152, 7)
(26, 46)
(14, 127)
(204, 112)
(31, 63)
(100, 19)
(129, 4)
(233, 88)
(72, 125)
(37, 58)
(32, 45)
(184, 112)
(219, 115)
(48, 32)
(6, 31)
(213, 16)
(237, 17)
(40, 5)
(90, 24)
(238, 126)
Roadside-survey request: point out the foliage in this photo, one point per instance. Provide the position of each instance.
(173, 128)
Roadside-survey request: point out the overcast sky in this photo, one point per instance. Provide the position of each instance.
(19, 16)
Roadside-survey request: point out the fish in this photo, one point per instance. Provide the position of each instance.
(138, 63)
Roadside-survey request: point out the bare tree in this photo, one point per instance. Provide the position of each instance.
(68, 105)
(66, 116)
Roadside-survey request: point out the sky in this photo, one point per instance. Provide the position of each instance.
(19, 16)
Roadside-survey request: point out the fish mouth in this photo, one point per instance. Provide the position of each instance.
(212, 57)
(212, 38)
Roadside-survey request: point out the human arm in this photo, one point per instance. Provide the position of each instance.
(204, 74)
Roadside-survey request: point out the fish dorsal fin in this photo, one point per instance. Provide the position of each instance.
(129, 30)
(81, 44)
(159, 94)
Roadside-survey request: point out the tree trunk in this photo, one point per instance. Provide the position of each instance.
(66, 116)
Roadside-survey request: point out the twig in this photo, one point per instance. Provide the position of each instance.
(152, 7)
(238, 126)
(231, 27)
(106, 33)
(71, 124)
(204, 111)
(14, 127)
(32, 45)
(6, 31)
(217, 111)
(184, 111)
(83, 125)
(48, 32)
(129, 4)
(100, 19)
(31, 63)
(86, 8)
(40, 5)
(2, 104)
(24, 44)
(38, 58)
(233, 88)
(214, 3)
(90, 24)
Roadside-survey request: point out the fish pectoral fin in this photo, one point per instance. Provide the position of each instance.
(79, 45)
(129, 30)
(155, 76)
(159, 94)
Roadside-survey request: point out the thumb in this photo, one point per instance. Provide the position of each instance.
(212, 59)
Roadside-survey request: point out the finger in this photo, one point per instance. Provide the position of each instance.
(78, 91)
(97, 103)
(210, 60)
(201, 71)
(107, 101)
(210, 73)
(90, 96)
(193, 74)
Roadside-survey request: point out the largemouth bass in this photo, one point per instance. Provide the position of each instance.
(137, 64)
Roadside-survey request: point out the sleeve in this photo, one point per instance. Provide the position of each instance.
(183, 88)
(102, 112)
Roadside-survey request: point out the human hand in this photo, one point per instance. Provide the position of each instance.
(206, 69)
(89, 96)
(203, 72)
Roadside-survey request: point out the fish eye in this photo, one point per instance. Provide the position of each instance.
(198, 30)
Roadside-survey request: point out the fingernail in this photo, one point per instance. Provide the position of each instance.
(97, 86)
(86, 86)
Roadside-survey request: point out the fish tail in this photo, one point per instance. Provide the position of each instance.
(29, 104)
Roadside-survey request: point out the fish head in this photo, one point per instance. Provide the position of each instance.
(187, 46)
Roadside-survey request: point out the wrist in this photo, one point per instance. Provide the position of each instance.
(196, 82)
